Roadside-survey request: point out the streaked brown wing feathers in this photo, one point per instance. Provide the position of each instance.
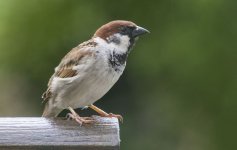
(65, 68)
(65, 73)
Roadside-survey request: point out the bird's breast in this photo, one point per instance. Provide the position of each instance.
(94, 83)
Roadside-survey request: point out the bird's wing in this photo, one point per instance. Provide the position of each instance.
(66, 67)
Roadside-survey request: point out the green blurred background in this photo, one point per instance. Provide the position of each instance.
(178, 91)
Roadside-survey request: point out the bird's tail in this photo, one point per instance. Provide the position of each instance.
(50, 111)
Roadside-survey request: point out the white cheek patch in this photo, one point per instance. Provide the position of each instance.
(121, 45)
(124, 41)
(114, 39)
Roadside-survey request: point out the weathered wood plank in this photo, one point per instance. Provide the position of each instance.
(57, 133)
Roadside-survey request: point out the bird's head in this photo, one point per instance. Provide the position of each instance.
(120, 33)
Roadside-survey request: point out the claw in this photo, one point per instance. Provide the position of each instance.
(119, 117)
(80, 120)
(104, 114)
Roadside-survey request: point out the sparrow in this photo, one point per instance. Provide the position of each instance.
(88, 71)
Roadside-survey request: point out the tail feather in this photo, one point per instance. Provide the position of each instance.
(50, 111)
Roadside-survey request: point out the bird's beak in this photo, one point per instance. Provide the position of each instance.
(139, 31)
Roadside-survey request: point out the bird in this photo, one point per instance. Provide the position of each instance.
(87, 72)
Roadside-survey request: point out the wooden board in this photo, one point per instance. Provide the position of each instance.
(58, 133)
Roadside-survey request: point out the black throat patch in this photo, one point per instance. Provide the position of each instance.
(117, 60)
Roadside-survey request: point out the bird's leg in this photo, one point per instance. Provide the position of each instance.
(77, 118)
(105, 114)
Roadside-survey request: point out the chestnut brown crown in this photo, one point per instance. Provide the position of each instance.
(112, 28)
(120, 26)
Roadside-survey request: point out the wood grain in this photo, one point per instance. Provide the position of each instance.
(57, 133)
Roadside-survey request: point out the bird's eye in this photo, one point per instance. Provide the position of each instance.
(126, 30)
(131, 27)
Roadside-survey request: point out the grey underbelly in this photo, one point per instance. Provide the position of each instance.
(86, 91)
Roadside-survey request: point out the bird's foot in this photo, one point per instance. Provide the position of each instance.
(77, 118)
(80, 120)
(105, 114)
(110, 115)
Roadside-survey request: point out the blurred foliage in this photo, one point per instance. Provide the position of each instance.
(178, 91)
